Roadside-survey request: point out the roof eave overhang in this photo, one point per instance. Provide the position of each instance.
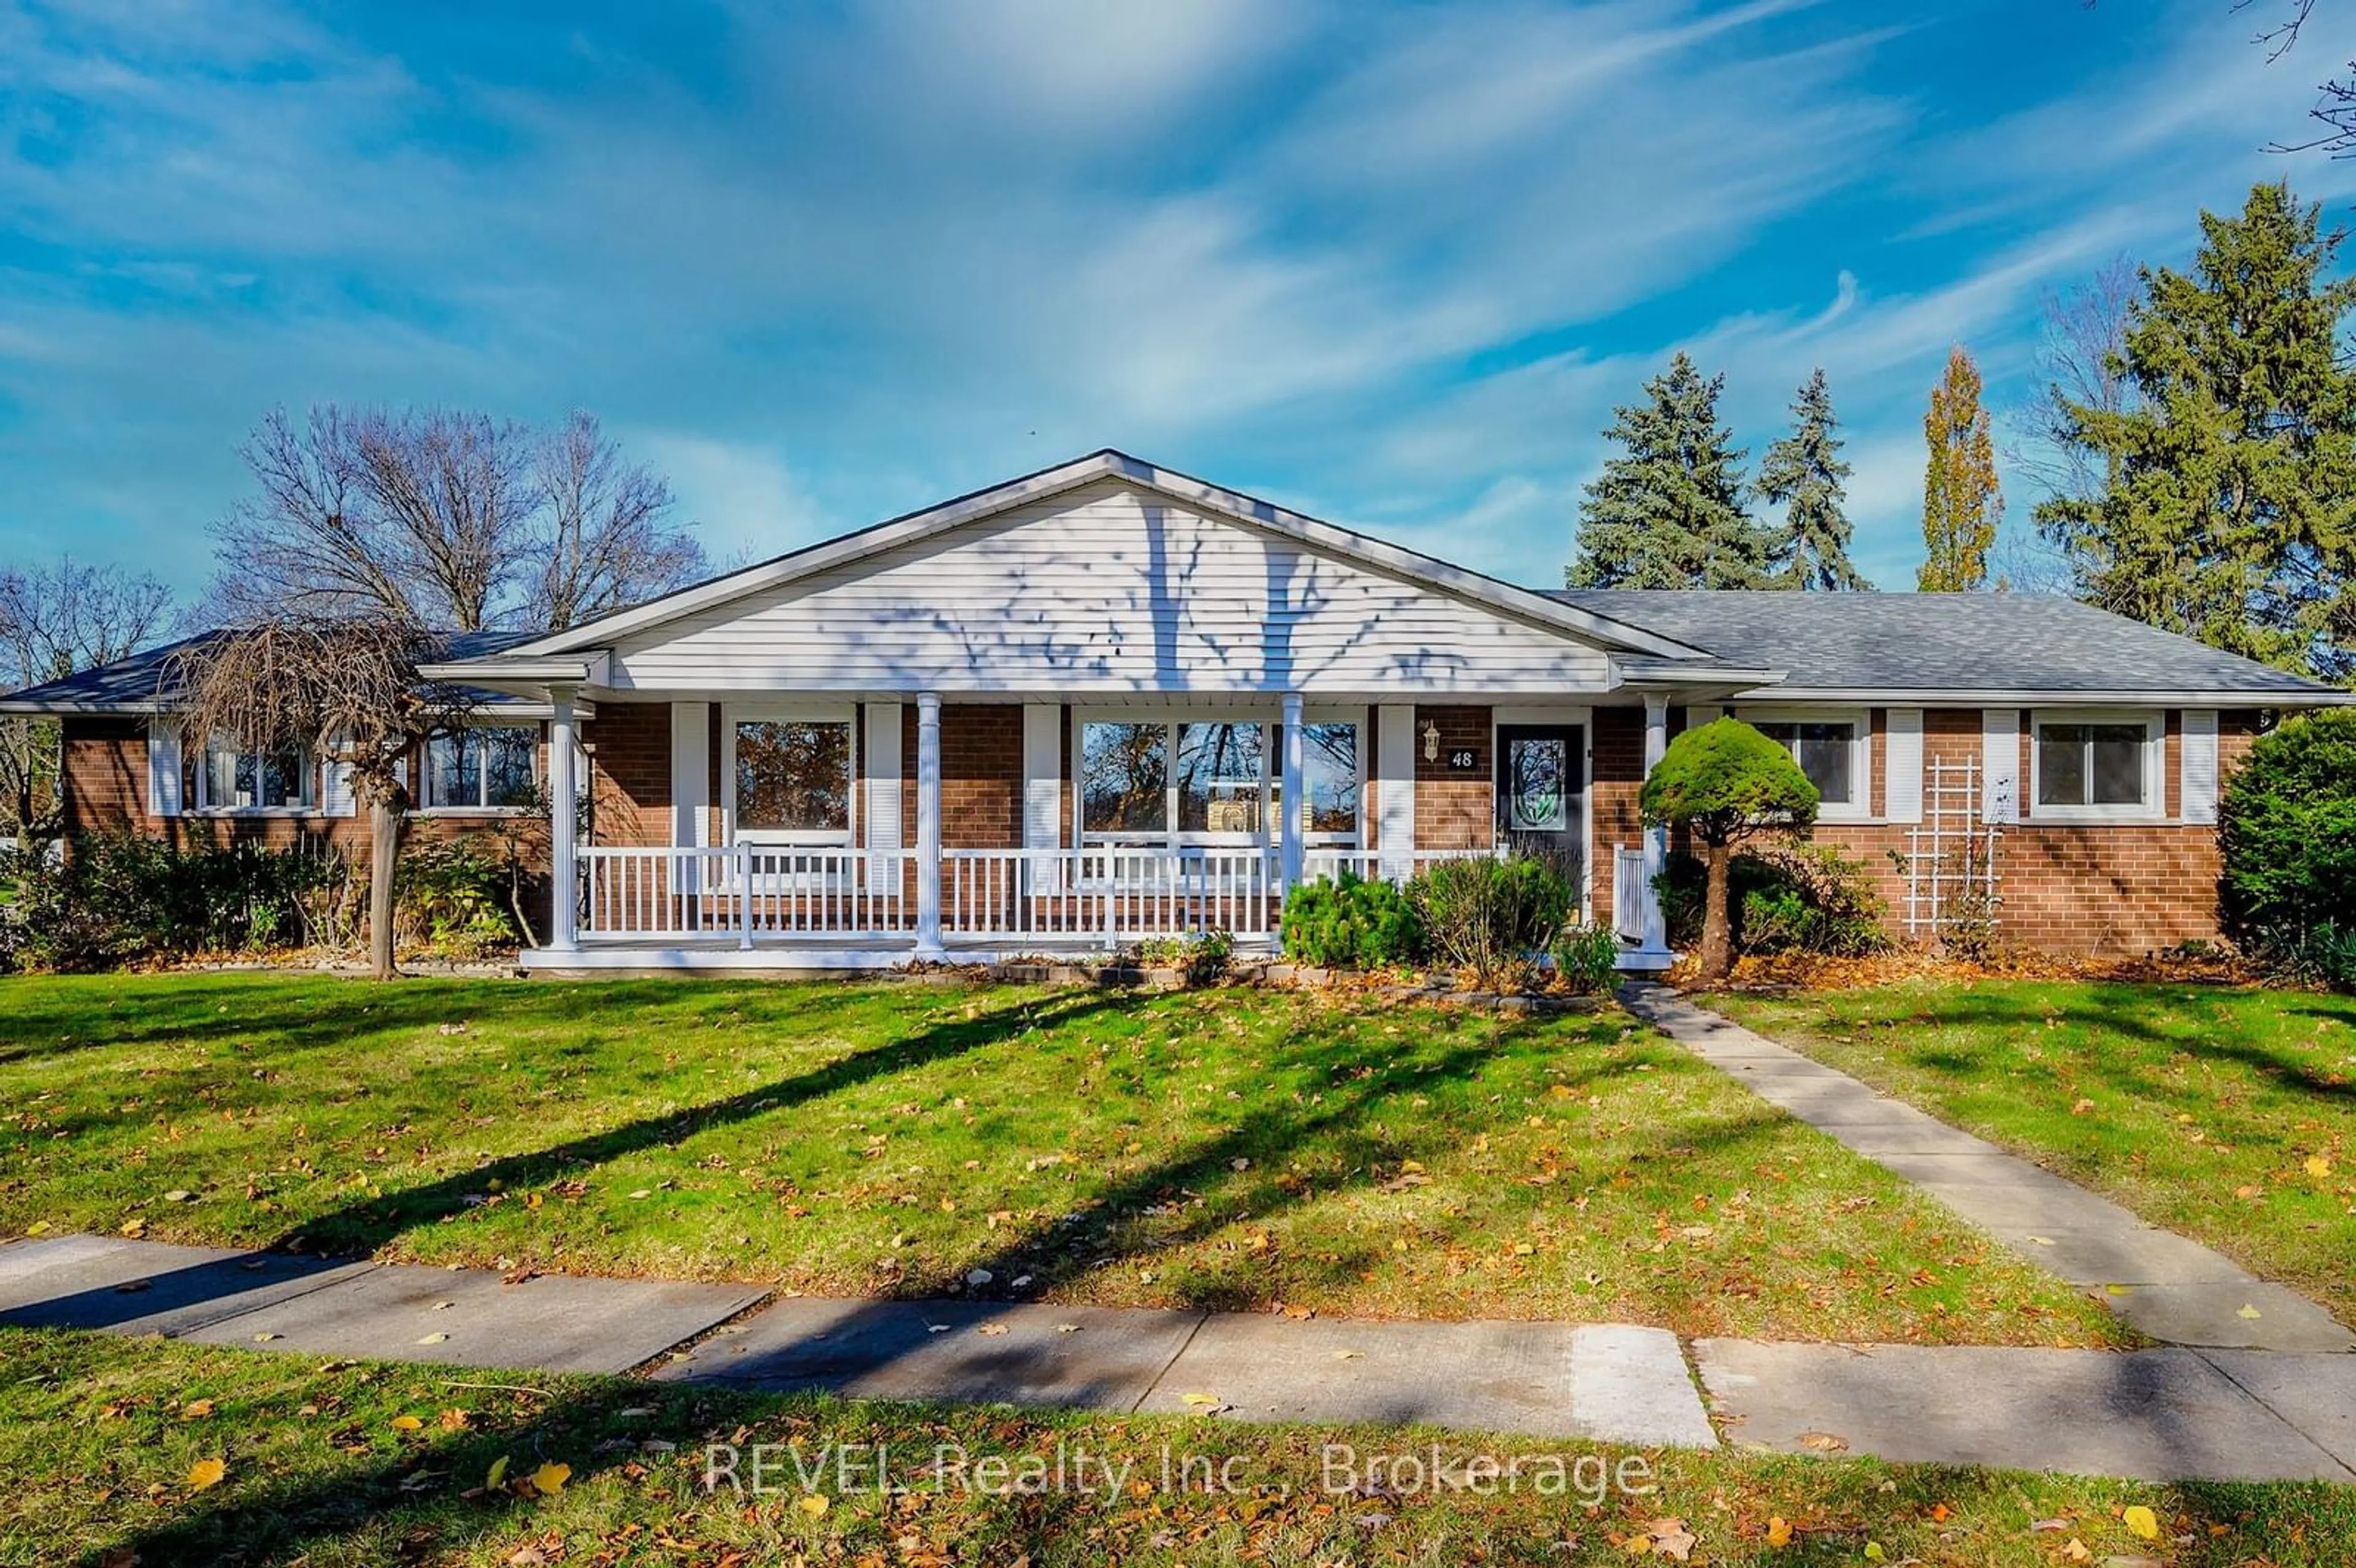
(1669, 678)
(1522, 603)
(2018, 697)
(501, 673)
(20, 706)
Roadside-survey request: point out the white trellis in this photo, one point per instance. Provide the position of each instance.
(1951, 875)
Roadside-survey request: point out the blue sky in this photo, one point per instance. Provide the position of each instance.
(820, 264)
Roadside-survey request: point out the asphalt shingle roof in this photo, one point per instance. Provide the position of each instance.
(1921, 642)
(132, 685)
(1936, 642)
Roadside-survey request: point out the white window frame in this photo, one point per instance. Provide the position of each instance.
(2154, 805)
(306, 774)
(734, 713)
(1171, 836)
(485, 722)
(1860, 752)
(1356, 837)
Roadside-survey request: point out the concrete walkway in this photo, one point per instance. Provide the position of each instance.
(1605, 1383)
(2162, 1415)
(2175, 1290)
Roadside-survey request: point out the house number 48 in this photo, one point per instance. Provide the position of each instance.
(1463, 760)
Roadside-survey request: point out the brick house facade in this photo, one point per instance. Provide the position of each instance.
(1107, 700)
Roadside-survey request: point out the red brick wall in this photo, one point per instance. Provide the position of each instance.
(104, 765)
(981, 776)
(2070, 889)
(629, 755)
(1617, 769)
(2067, 888)
(1454, 810)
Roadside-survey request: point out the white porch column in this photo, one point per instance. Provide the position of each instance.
(563, 816)
(1290, 819)
(1655, 951)
(928, 826)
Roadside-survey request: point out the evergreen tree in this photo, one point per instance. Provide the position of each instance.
(1804, 474)
(2229, 508)
(1668, 512)
(1961, 502)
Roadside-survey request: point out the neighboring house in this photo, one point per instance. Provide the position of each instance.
(126, 766)
(1106, 701)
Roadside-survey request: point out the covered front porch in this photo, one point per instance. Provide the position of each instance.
(883, 831)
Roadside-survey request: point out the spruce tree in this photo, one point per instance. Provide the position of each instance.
(1804, 474)
(1961, 502)
(2229, 509)
(1667, 511)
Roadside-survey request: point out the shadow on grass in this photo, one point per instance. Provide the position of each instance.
(2117, 1010)
(338, 1012)
(1200, 1175)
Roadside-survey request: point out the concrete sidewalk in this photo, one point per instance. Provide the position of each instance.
(2162, 1416)
(1597, 1382)
(2175, 1290)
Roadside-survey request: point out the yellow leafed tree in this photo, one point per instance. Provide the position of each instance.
(1961, 500)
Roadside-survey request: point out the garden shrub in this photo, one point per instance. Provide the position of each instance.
(1489, 916)
(1204, 956)
(117, 898)
(1352, 923)
(2325, 957)
(2287, 831)
(1587, 958)
(454, 898)
(1800, 898)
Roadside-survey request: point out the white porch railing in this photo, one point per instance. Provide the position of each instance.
(746, 891)
(1111, 895)
(752, 894)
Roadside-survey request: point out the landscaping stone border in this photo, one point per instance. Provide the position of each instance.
(1286, 977)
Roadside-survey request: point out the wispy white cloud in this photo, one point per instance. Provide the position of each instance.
(1394, 263)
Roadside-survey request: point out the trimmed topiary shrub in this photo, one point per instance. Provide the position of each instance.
(1352, 923)
(1726, 784)
(2286, 830)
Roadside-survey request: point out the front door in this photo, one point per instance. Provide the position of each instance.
(1541, 802)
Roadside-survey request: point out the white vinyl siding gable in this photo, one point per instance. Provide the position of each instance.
(1108, 589)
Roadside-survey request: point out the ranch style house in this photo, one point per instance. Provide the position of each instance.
(1106, 701)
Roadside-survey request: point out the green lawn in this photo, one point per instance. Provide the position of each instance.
(340, 1465)
(2228, 1113)
(1230, 1150)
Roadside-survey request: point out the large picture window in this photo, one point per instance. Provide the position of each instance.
(2092, 766)
(789, 778)
(1331, 783)
(1831, 749)
(234, 779)
(1125, 780)
(481, 767)
(1222, 778)
(1213, 780)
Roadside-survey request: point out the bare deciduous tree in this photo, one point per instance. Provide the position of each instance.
(2334, 109)
(54, 620)
(2081, 355)
(345, 688)
(449, 520)
(606, 527)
